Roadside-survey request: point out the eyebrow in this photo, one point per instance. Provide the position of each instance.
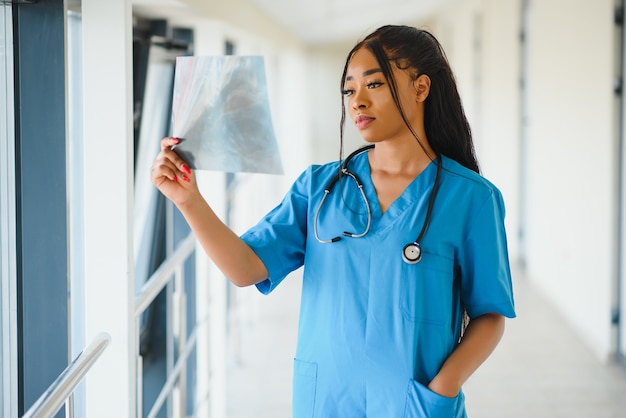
(366, 73)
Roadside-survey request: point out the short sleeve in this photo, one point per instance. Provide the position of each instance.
(484, 263)
(279, 239)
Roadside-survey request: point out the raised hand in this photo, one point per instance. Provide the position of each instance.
(171, 174)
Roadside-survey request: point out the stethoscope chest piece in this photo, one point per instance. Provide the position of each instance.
(412, 253)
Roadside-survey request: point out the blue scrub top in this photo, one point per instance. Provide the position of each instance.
(374, 330)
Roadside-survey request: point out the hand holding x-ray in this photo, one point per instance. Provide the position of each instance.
(221, 112)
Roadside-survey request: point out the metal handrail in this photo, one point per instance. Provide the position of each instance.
(162, 276)
(60, 390)
(174, 375)
(170, 271)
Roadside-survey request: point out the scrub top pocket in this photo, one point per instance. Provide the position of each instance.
(421, 402)
(426, 289)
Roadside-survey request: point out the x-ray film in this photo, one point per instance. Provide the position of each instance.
(221, 113)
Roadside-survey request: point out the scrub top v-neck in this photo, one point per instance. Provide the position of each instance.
(374, 330)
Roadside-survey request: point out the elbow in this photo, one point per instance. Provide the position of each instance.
(246, 280)
(490, 325)
(497, 323)
(500, 322)
(248, 272)
(242, 282)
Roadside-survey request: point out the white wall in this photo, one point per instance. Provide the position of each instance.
(572, 182)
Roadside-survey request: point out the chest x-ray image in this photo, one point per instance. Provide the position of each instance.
(221, 112)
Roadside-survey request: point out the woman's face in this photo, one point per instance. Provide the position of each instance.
(370, 104)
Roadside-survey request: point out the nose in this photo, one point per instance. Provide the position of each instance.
(359, 100)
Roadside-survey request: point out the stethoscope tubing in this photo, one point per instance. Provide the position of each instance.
(344, 171)
(412, 252)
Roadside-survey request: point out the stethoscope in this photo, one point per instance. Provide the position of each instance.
(412, 252)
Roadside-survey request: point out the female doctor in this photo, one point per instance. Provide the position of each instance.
(399, 310)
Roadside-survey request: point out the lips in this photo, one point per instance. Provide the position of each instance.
(363, 121)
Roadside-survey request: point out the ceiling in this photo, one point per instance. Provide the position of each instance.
(319, 21)
(316, 21)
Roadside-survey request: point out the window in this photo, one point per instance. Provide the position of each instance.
(8, 322)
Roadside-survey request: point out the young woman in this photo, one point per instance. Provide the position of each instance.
(383, 328)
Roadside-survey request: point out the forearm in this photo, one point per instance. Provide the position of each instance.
(230, 253)
(480, 339)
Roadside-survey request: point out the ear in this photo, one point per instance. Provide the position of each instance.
(422, 87)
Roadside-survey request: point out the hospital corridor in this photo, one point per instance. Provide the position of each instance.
(109, 306)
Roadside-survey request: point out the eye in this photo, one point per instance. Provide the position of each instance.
(374, 84)
(347, 92)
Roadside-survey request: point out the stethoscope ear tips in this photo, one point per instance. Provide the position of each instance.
(412, 253)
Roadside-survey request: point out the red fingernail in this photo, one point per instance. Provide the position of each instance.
(175, 178)
(186, 169)
(186, 178)
(174, 140)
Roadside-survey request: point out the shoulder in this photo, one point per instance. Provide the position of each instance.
(324, 170)
(317, 176)
(459, 173)
(469, 184)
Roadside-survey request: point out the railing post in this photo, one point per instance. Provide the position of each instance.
(203, 357)
(182, 381)
(139, 362)
(170, 275)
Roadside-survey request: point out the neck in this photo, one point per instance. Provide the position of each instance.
(401, 157)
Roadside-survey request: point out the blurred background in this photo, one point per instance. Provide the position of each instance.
(89, 246)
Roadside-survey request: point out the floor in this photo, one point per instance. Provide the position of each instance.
(540, 369)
